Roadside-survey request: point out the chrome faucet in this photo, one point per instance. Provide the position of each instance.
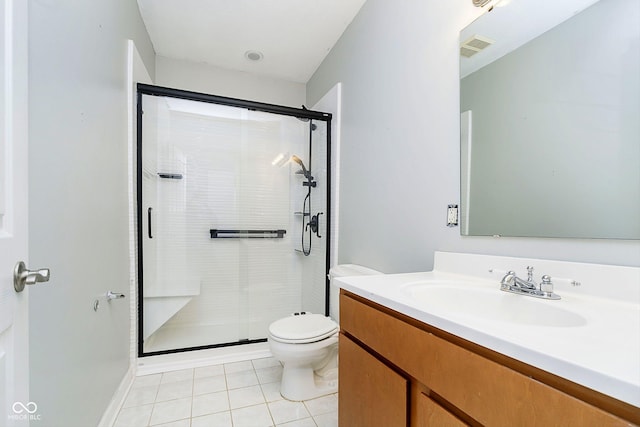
(512, 283)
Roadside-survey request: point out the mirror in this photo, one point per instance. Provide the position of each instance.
(550, 120)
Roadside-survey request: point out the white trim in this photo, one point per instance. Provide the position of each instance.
(111, 413)
(14, 166)
(331, 102)
(136, 72)
(195, 359)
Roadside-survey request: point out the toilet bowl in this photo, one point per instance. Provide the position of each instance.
(307, 345)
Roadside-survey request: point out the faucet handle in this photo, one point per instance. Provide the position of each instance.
(508, 278)
(546, 285)
(529, 273)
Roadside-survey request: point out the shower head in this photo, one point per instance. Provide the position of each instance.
(305, 172)
(284, 158)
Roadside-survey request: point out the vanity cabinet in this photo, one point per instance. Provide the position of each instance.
(379, 394)
(397, 371)
(429, 413)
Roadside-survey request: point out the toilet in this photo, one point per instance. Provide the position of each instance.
(307, 344)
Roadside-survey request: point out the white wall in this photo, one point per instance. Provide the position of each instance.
(398, 65)
(78, 190)
(200, 77)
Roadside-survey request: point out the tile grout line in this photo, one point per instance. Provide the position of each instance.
(263, 395)
(193, 395)
(153, 404)
(226, 384)
(253, 370)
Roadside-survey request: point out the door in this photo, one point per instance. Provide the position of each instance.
(15, 407)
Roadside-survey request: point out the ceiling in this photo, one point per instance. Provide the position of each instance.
(515, 24)
(294, 36)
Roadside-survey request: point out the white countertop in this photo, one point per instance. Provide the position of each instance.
(602, 353)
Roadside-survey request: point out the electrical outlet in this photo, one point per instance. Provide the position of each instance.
(452, 215)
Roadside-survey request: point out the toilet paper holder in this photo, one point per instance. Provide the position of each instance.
(113, 295)
(110, 295)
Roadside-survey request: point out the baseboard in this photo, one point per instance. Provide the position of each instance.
(195, 359)
(111, 413)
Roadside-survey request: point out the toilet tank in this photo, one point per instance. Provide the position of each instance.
(343, 270)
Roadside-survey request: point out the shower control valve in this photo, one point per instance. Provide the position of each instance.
(315, 224)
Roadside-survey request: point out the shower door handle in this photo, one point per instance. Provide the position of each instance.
(318, 225)
(149, 222)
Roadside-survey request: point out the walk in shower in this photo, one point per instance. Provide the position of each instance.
(233, 218)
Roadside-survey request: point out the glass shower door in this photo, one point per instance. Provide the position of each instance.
(220, 237)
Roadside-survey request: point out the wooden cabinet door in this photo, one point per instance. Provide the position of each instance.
(371, 393)
(430, 414)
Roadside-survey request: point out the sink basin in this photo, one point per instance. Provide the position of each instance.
(490, 304)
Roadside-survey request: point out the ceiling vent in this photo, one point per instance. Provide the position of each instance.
(474, 45)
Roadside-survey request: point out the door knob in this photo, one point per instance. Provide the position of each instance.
(23, 277)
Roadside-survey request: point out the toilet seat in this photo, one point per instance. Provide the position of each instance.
(303, 329)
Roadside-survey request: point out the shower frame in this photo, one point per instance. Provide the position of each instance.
(152, 90)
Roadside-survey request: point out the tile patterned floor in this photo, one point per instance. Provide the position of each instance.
(241, 394)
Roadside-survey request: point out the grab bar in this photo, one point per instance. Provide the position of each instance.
(247, 234)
